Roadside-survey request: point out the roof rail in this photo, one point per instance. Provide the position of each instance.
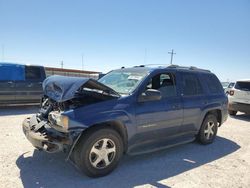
(198, 69)
(173, 66)
(188, 68)
(139, 66)
(148, 65)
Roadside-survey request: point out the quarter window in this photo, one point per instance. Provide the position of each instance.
(213, 84)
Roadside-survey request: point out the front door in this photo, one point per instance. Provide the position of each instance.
(160, 119)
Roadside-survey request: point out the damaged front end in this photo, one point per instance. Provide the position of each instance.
(43, 137)
(49, 130)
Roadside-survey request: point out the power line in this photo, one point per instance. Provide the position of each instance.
(172, 53)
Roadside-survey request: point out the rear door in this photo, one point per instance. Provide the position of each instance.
(194, 101)
(30, 90)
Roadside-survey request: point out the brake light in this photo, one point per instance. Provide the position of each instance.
(231, 92)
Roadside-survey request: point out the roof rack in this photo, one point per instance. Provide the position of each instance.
(139, 66)
(188, 68)
(175, 66)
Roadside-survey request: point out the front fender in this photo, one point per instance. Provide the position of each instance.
(80, 123)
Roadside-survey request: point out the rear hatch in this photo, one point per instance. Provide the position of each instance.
(242, 92)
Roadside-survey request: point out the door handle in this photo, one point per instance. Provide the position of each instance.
(30, 85)
(205, 102)
(176, 106)
(10, 82)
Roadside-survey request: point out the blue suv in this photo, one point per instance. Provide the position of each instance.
(129, 110)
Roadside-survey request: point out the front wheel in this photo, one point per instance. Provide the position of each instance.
(99, 152)
(208, 129)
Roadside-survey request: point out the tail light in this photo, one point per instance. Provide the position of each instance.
(231, 92)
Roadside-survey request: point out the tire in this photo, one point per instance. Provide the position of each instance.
(232, 112)
(207, 135)
(98, 152)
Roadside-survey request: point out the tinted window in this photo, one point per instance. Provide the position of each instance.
(191, 85)
(165, 83)
(242, 86)
(213, 84)
(231, 85)
(32, 73)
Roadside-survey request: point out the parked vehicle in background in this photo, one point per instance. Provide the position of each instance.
(224, 84)
(229, 86)
(130, 110)
(239, 97)
(20, 83)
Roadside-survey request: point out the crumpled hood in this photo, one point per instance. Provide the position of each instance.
(63, 88)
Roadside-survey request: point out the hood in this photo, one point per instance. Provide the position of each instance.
(63, 88)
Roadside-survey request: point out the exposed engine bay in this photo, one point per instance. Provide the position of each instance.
(64, 93)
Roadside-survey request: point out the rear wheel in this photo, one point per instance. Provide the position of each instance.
(232, 112)
(99, 152)
(208, 129)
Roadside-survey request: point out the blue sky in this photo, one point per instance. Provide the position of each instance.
(211, 34)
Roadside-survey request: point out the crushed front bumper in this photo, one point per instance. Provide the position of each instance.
(43, 137)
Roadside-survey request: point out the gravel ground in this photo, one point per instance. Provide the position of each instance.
(225, 163)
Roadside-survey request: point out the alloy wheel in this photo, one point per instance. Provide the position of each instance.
(102, 153)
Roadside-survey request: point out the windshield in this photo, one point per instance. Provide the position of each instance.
(123, 82)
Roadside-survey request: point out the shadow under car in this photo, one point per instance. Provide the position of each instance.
(51, 170)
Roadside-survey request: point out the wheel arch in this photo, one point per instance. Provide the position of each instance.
(216, 112)
(115, 125)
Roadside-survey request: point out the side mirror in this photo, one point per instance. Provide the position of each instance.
(150, 95)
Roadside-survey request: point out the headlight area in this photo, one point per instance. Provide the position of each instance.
(58, 121)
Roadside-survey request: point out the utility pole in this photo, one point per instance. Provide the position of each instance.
(145, 56)
(172, 53)
(82, 61)
(62, 64)
(2, 52)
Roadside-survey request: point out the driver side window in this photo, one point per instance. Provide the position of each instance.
(165, 83)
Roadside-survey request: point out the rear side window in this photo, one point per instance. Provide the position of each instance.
(191, 85)
(213, 84)
(242, 86)
(32, 73)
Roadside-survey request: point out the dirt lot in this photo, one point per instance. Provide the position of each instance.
(225, 163)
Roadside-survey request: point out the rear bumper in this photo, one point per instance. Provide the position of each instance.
(234, 106)
(42, 138)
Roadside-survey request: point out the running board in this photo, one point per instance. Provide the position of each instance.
(153, 147)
